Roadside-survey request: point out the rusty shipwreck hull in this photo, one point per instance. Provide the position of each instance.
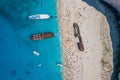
(77, 34)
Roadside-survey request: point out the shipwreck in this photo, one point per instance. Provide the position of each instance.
(77, 34)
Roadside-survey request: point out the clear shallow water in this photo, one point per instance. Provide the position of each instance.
(17, 61)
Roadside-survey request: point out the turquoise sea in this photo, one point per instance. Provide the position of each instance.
(17, 61)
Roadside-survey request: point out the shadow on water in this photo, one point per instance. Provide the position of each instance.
(113, 18)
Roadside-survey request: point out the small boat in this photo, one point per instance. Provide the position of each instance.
(36, 53)
(41, 36)
(59, 64)
(39, 16)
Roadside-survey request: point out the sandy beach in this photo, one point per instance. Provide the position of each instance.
(95, 62)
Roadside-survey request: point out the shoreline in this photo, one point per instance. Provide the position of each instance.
(79, 65)
(113, 6)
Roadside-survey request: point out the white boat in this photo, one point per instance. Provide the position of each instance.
(36, 53)
(59, 64)
(39, 16)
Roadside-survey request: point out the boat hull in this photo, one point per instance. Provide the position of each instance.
(39, 16)
(41, 36)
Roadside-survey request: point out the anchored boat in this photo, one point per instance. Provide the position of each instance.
(41, 36)
(39, 16)
(59, 64)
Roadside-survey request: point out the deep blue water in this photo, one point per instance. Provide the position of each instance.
(17, 61)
